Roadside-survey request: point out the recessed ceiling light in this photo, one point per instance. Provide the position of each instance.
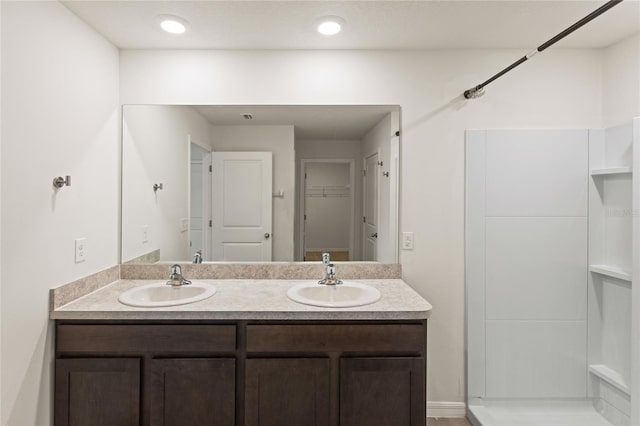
(330, 25)
(172, 24)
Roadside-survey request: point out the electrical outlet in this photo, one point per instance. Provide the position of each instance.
(81, 250)
(184, 224)
(407, 240)
(145, 234)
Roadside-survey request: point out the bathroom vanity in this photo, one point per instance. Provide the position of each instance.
(246, 356)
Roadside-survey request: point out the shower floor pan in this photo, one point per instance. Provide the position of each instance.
(536, 413)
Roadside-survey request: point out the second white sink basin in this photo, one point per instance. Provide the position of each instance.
(160, 294)
(346, 295)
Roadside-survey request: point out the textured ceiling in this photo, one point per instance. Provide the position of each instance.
(372, 24)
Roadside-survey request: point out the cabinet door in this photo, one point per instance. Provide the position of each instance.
(97, 392)
(198, 392)
(287, 392)
(382, 392)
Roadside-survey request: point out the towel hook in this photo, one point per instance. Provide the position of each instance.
(59, 182)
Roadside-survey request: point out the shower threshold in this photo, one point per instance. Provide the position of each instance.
(535, 413)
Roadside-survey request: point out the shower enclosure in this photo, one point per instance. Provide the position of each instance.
(552, 239)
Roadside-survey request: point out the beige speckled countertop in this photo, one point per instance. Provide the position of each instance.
(247, 300)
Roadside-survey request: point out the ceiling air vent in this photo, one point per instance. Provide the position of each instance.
(247, 116)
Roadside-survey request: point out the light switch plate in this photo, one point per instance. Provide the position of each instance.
(145, 233)
(407, 240)
(184, 224)
(81, 250)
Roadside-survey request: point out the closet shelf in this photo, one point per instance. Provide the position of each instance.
(610, 171)
(610, 271)
(610, 376)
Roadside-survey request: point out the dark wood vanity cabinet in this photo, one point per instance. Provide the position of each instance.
(157, 374)
(315, 373)
(382, 391)
(375, 371)
(97, 391)
(192, 392)
(281, 391)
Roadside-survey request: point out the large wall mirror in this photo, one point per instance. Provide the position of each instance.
(260, 183)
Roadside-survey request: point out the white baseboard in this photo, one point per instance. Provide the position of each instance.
(446, 409)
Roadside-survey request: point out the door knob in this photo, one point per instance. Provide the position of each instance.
(374, 235)
(267, 235)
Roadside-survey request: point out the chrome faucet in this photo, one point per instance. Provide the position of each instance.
(330, 279)
(197, 258)
(176, 279)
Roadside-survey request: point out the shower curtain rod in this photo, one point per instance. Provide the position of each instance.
(477, 91)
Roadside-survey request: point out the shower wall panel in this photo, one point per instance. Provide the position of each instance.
(526, 263)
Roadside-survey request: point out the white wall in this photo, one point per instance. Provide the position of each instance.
(560, 88)
(1, 391)
(310, 149)
(279, 140)
(156, 150)
(378, 140)
(60, 116)
(621, 77)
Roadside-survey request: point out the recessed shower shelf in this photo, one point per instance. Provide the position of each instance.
(611, 171)
(610, 376)
(610, 271)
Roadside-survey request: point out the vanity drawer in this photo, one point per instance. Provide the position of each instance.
(343, 338)
(157, 339)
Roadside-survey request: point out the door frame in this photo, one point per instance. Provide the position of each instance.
(302, 195)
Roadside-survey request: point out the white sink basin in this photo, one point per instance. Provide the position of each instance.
(160, 294)
(346, 295)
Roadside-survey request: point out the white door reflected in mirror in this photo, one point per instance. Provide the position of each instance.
(242, 183)
(200, 202)
(370, 219)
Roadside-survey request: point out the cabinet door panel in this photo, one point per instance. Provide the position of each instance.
(287, 392)
(97, 392)
(192, 392)
(382, 392)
